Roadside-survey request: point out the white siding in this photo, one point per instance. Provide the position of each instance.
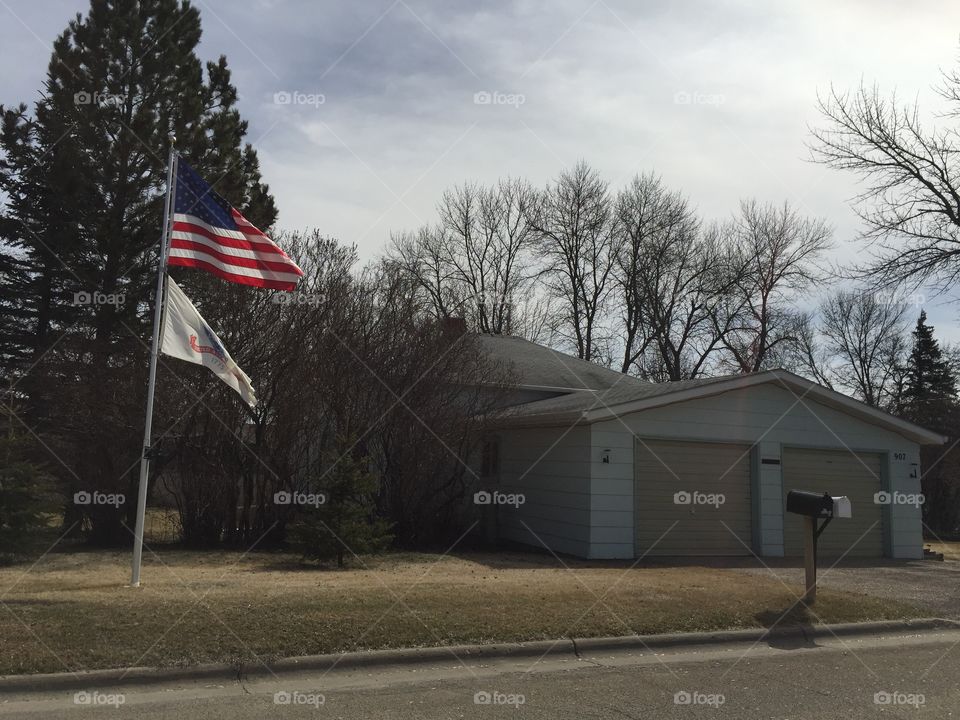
(769, 485)
(766, 414)
(611, 507)
(551, 467)
(905, 521)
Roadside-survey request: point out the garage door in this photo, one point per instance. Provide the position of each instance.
(839, 472)
(714, 479)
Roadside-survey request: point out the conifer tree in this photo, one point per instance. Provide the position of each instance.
(345, 523)
(29, 496)
(83, 176)
(930, 400)
(930, 389)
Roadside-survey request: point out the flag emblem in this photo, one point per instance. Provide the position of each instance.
(216, 350)
(185, 335)
(208, 233)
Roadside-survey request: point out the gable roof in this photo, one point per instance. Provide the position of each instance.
(590, 393)
(584, 403)
(537, 366)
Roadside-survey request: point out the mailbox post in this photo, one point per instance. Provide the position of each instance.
(810, 533)
(813, 507)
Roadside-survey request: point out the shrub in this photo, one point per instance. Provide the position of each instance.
(28, 496)
(343, 519)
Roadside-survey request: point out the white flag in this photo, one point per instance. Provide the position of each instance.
(187, 336)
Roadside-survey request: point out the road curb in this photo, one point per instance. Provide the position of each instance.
(563, 648)
(881, 626)
(788, 632)
(220, 672)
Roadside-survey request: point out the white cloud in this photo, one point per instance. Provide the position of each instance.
(599, 79)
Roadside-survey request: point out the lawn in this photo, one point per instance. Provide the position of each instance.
(72, 612)
(950, 550)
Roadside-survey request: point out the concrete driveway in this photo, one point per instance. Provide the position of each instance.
(926, 583)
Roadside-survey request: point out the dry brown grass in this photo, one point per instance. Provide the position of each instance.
(72, 611)
(950, 550)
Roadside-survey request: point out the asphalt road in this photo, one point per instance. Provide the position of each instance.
(905, 676)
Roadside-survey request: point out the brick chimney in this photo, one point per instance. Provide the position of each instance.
(455, 326)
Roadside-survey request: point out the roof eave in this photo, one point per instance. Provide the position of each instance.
(830, 397)
(562, 419)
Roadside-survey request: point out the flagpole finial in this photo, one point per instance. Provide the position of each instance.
(171, 136)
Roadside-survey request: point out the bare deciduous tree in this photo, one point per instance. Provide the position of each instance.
(772, 257)
(809, 355)
(475, 262)
(573, 221)
(859, 347)
(911, 201)
(866, 332)
(487, 240)
(421, 255)
(668, 280)
(346, 355)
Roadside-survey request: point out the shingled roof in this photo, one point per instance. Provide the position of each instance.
(581, 391)
(580, 385)
(537, 366)
(629, 390)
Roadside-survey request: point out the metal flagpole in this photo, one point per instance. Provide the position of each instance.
(154, 350)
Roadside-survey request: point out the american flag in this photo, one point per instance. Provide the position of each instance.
(210, 234)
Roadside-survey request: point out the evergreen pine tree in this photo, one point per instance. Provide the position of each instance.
(346, 521)
(28, 495)
(930, 389)
(930, 400)
(83, 176)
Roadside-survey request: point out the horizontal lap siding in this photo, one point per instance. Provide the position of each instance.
(745, 416)
(768, 414)
(551, 468)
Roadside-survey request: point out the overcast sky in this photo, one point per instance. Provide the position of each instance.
(418, 95)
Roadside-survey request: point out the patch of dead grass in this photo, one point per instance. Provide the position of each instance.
(72, 611)
(950, 550)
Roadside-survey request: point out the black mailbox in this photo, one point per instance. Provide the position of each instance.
(810, 504)
(813, 506)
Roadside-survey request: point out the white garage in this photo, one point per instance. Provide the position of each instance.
(606, 462)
